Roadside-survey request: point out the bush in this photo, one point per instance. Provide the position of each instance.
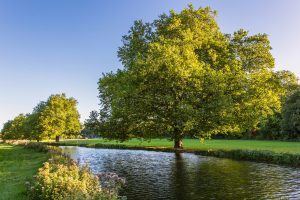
(63, 178)
(60, 181)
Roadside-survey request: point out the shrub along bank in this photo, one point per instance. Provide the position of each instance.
(58, 177)
(63, 178)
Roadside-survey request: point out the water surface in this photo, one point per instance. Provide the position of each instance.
(185, 176)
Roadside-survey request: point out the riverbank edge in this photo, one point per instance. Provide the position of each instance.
(55, 156)
(263, 156)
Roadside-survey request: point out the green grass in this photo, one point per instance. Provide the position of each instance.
(194, 144)
(17, 165)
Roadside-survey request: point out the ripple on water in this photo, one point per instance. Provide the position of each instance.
(161, 175)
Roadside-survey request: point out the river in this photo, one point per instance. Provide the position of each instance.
(154, 175)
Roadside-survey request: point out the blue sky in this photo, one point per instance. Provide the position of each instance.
(49, 47)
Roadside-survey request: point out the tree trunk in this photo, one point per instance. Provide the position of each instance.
(178, 139)
(253, 133)
(178, 144)
(57, 138)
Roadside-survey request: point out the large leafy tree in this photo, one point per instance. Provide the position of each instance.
(59, 117)
(182, 75)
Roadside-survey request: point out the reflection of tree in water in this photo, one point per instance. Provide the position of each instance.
(72, 151)
(182, 176)
(182, 187)
(212, 178)
(179, 177)
(228, 179)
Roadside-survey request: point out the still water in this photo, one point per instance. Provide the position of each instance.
(185, 176)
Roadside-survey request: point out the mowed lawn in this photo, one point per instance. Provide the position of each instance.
(17, 165)
(195, 144)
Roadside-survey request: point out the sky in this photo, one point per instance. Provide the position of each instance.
(55, 46)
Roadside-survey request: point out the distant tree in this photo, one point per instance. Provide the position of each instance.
(270, 128)
(290, 123)
(87, 133)
(182, 76)
(288, 81)
(33, 125)
(92, 124)
(58, 117)
(14, 129)
(6, 130)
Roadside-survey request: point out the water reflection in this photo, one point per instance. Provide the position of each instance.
(185, 176)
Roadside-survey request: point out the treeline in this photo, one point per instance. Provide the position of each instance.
(284, 125)
(54, 118)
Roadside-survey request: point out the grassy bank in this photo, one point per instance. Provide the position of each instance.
(207, 145)
(279, 152)
(17, 165)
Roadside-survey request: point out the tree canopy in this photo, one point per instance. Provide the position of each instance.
(290, 123)
(58, 116)
(14, 129)
(182, 75)
(92, 124)
(271, 128)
